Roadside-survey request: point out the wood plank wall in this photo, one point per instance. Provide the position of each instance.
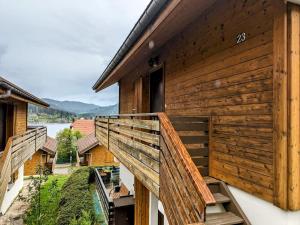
(21, 117)
(211, 75)
(208, 74)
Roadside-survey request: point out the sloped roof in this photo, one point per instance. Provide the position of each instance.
(7, 85)
(85, 127)
(87, 143)
(50, 146)
(160, 22)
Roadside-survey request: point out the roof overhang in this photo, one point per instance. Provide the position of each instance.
(19, 94)
(174, 17)
(82, 151)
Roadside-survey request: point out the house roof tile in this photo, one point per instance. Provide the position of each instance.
(85, 127)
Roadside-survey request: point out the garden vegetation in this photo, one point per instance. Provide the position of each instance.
(76, 203)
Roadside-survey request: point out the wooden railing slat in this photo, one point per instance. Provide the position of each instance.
(143, 124)
(19, 149)
(143, 136)
(149, 146)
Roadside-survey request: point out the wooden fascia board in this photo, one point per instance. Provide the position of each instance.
(167, 24)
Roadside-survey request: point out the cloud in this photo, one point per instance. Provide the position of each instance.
(59, 48)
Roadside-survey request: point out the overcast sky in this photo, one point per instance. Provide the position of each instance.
(59, 48)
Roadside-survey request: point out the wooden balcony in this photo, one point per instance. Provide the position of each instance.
(17, 151)
(149, 146)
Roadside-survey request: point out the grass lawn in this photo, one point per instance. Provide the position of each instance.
(49, 202)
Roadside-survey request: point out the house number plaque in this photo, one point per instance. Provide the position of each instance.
(241, 38)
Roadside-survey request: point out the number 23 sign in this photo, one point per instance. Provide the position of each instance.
(241, 38)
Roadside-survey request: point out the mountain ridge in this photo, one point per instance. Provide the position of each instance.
(80, 108)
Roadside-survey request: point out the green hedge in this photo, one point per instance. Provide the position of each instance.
(76, 197)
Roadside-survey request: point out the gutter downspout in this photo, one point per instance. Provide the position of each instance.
(6, 95)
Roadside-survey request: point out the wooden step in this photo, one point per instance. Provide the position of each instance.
(226, 218)
(220, 198)
(211, 180)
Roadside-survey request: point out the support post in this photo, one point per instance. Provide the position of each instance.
(141, 209)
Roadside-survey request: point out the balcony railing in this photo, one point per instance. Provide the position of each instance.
(106, 201)
(17, 151)
(148, 145)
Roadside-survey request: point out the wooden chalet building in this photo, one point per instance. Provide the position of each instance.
(209, 112)
(44, 158)
(92, 153)
(17, 143)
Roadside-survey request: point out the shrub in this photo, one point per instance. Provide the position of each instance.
(85, 219)
(67, 145)
(76, 197)
(44, 202)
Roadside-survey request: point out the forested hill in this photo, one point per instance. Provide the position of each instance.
(66, 111)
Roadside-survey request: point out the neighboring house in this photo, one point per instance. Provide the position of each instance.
(85, 127)
(90, 150)
(221, 81)
(43, 158)
(17, 143)
(93, 153)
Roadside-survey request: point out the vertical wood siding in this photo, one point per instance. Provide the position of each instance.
(294, 107)
(21, 118)
(141, 209)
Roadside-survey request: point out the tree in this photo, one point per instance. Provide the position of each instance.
(34, 215)
(67, 145)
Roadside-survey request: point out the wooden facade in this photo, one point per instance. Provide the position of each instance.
(241, 87)
(235, 63)
(98, 156)
(20, 117)
(92, 153)
(40, 159)
(18, 143)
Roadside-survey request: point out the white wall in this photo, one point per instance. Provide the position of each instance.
(153, 209)
(260, 212)
(127, 178)
(162, 210)
(13, 192)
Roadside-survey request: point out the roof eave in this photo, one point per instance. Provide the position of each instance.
(21, 94)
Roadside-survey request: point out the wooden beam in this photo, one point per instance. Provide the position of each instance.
(141, 209)
(294, 107)
(280, 103)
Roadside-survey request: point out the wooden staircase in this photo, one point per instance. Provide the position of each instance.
(226, 211)
(194, 133)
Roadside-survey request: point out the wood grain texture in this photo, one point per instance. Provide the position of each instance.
(141, 209)
(182, 187)
(242, 87)
(280, 104)
(136, 148)
(294, 107)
